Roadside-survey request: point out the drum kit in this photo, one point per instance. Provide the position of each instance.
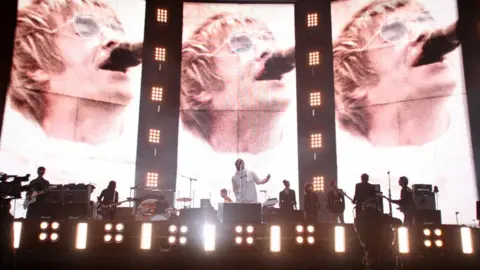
(147, 210)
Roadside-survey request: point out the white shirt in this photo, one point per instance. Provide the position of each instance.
(244, 186)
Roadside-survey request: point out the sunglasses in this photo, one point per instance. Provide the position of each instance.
(243, 42)
(396, 30)
(88, 26)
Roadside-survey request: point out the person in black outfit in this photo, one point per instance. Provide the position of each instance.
(38, 184)
(161, 206)
(311, 205)
(109, 196)
(288, 201)
(336, 202)
(364, 192)
(406, 202)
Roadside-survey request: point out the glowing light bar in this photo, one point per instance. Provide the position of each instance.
(275, 238)
(467, 245)
(209, 237)
(17, 233)
(81, 237)
(312, 19)
(314, 58)
(403, 243)
(339, 239)
(146, 236)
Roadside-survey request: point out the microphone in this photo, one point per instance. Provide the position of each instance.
(280, 62)
(442, 41)
(388, 172)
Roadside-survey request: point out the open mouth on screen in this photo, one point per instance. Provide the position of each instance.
(120, 60)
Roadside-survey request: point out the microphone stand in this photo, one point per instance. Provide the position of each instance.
(191, 180)
(389, 194)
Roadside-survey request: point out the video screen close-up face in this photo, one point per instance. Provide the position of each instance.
(400, 100)
(73, 99)
(238, 97)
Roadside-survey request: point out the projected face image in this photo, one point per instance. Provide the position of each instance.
(72, 103)
(237, 89)
(399, 95)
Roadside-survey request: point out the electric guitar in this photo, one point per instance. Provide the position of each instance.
(105, 209)
(33, 198)
(345, 194)
(400, 207)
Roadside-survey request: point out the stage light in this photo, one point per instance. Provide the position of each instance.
(146, 236)
(299, 239)
(427, 243)
(318, 184)
(152, 181)
(299, 228)
(250, 240)
(403, 243)
(81, 237)
(315, 99)
(315, 140)
(172, 229)
(119, 227)
(43, 225)
(183, 229)
(118, 238)
(427, 232)
(182, 240)
(437, 232)
(275, 238)
(157, 93)
(54, 237)
(467, 245)
(339, 239)
(172, 239)
(17, 233)
(107, 238)
(55, 225)
(108, 227)
(312, 19)
(42, 236)
(310, 229)
(154, 136)
(314, 58)
(238, 229)
(209, 237)
(238, 240)
(160, 54)
(310, 240)
(439, 243)
(249, 229)
(162, 15)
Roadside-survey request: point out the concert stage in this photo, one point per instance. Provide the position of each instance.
(142, 245)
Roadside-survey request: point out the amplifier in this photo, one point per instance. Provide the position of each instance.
(51, 211)
(77, 193)
(421, 189)
(428, 217)
(76, 211)
(240, 212)
(55, 195)
(377, 188)
(425, 201)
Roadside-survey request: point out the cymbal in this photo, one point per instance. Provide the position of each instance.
(184, 199)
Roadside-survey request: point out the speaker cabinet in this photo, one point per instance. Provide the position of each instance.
(240, 212)
(428, 217)
(76, 211)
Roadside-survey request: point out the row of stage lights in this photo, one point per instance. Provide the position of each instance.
(178, 234)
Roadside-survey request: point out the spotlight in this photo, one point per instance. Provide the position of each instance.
(299, 239)
(172, 239)
(439, 243)
(312, 20)
(318, 184)
(162, 15)
(249, 240)
(108, 227)
(107, 238)
(54, 237)
(427, 232)
(315, 99)
(157, 95)
(437, 232)
(183, 229)
(55, 225)
(238, 229)
(119, 227)
(153, 137)
(182, 240)
(427, 243)
(310, 229)
(299, 229)
(314, 58)
(249, 229)
(315, 140)
(42, 236)
(238, 240)
(152, 177)
(311, 240)
(118, 238)
(160, 54)
(172, 229)
(43, 225)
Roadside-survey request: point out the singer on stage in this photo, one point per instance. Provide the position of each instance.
(244, 182)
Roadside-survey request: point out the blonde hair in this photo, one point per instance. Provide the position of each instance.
(199, 70)
(352, 69)
(35, 49)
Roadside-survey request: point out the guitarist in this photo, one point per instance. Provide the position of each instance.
(38, 184)
(406, 203)
(109, 196)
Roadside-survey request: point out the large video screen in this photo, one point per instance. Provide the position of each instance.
(238, 99)
(73, 99)
(400, 101)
